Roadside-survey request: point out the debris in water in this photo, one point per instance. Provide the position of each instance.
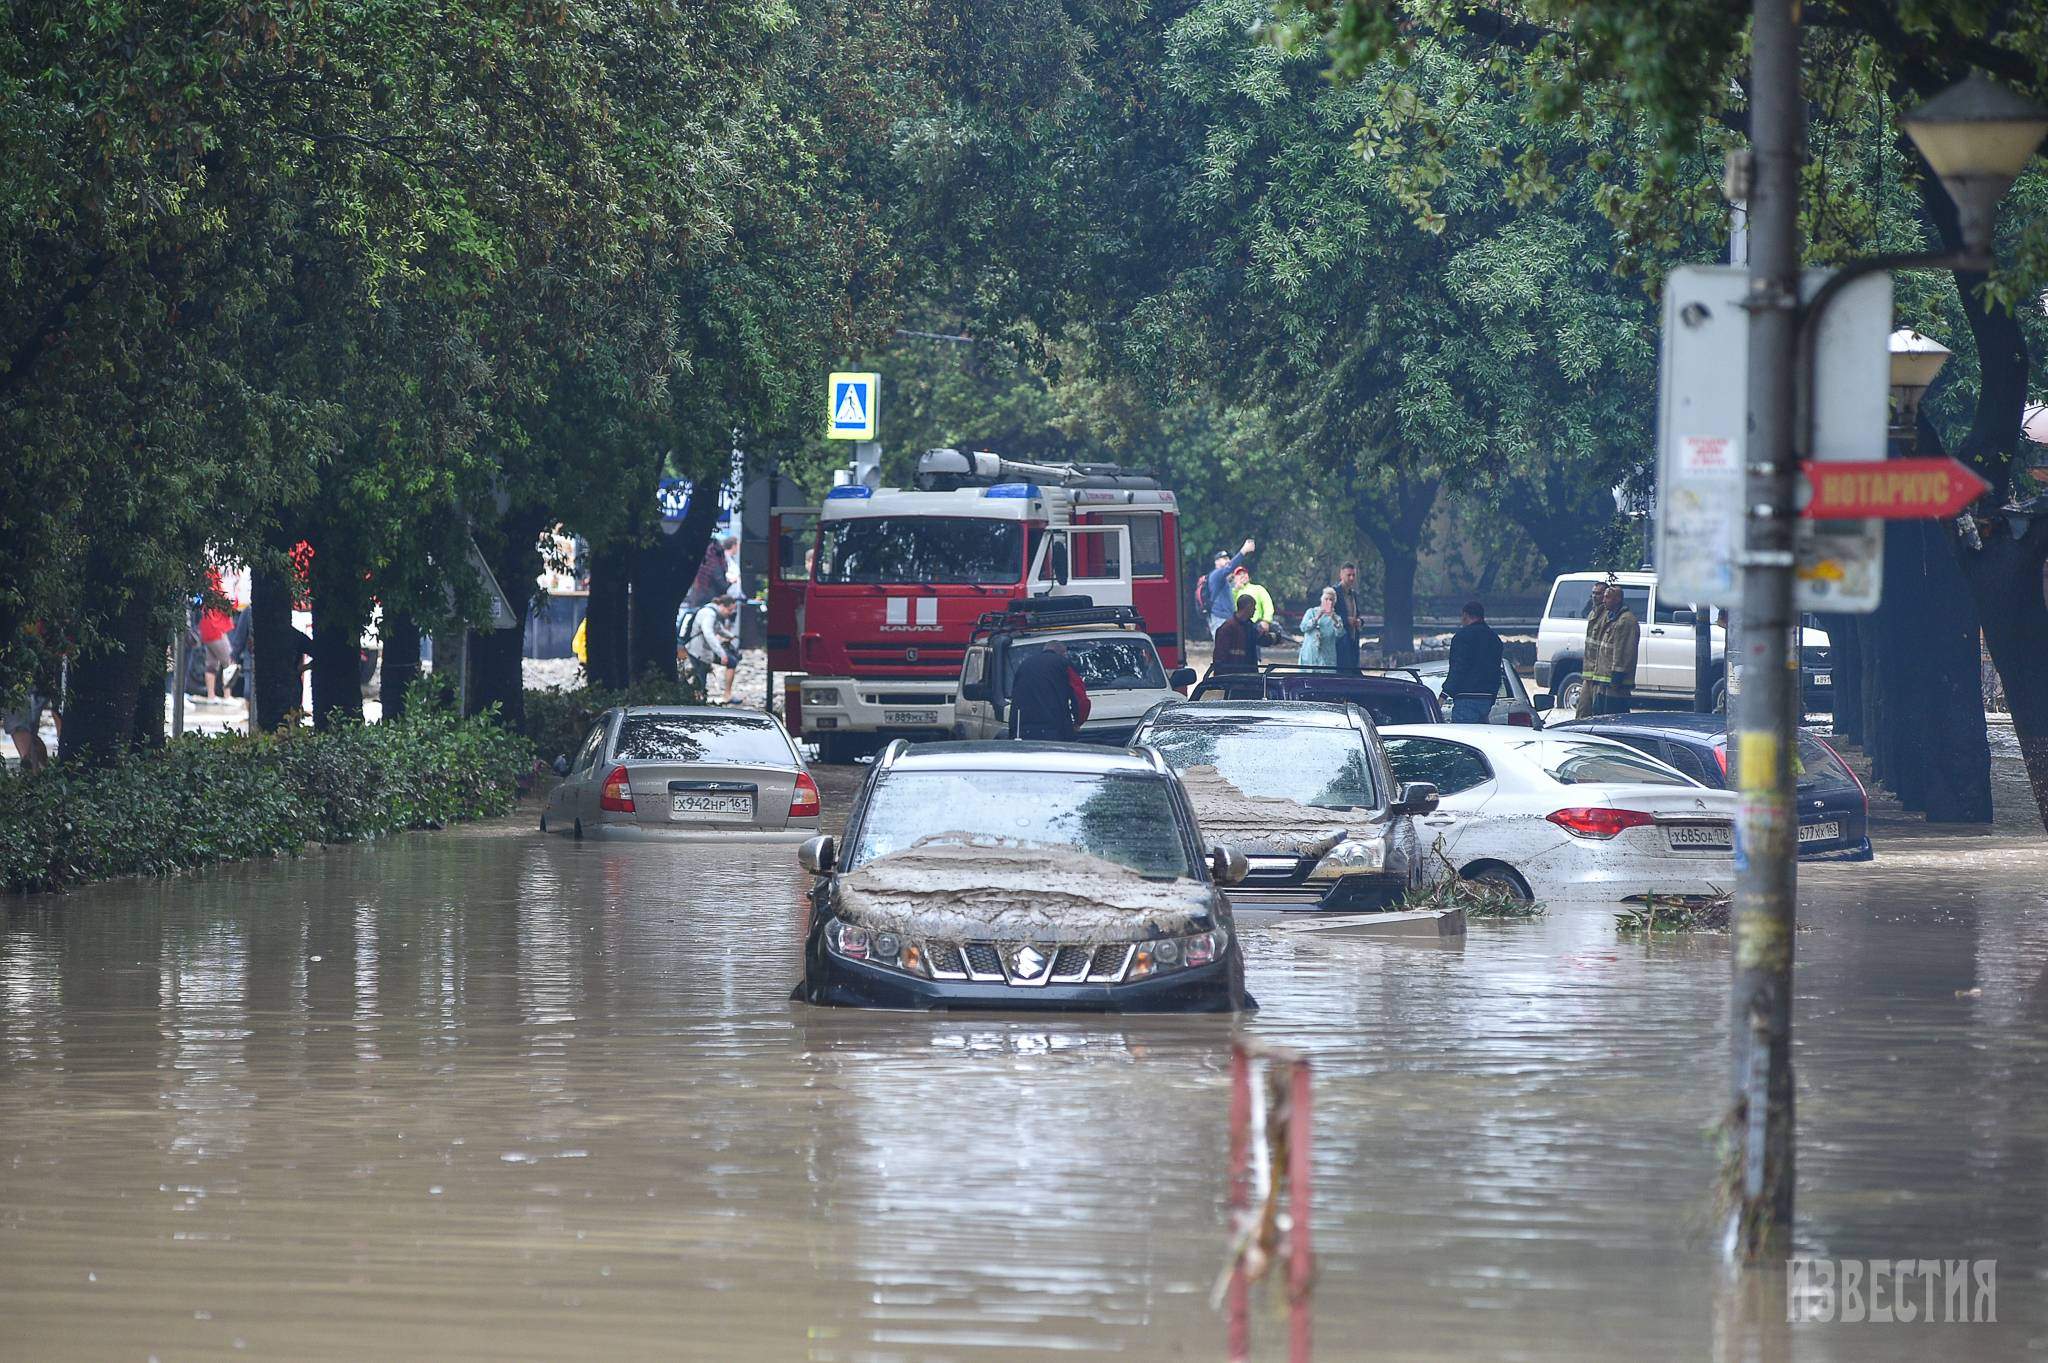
(1970, 993)
(1677, 913)
(519, 1157)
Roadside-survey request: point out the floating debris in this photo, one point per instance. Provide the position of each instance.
(1676, 913)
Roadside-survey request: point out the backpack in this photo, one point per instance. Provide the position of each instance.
(1202, 592)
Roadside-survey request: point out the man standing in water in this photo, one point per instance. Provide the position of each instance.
(1048, 699)
(1593, 668)
(1623, 636)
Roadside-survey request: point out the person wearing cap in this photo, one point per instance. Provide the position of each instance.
(1621, 639)
(1221, 602)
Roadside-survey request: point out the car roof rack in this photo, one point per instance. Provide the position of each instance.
(1296, 669)
(1027, 614)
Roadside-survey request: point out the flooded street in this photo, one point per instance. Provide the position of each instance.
(485, 1094)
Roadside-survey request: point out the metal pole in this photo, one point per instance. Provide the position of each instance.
(178, 669)
(1703, 614)
(1760, 1015)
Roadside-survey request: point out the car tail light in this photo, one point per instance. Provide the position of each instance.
(1526, 720)
(618, 793)
(804, 799)
(1599, 823)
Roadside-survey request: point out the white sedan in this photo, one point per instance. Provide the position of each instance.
(1558, 815)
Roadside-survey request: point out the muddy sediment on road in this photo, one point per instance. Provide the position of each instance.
(955, 888)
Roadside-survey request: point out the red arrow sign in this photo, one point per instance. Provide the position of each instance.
(1889, 489)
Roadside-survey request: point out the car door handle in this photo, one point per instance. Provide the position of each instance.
(1658, 632)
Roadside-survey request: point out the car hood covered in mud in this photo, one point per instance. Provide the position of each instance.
(949, 887)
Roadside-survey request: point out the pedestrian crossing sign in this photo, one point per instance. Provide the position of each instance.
(850, 406)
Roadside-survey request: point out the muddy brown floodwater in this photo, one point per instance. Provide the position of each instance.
(489, 1095)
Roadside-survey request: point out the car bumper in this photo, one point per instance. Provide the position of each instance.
(636, 832)
(1580, 874)
(1362, 893)
(1859, 850)
(833, 982)
(916, 707)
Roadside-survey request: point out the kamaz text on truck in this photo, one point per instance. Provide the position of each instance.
(874, 607)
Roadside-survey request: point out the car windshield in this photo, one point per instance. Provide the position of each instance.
(1130, 820)
(921, 549)
(1104, 664)
(1327, 766)
(1587, 764)
(749, 739)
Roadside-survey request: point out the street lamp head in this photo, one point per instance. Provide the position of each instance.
(1977, 138)
(1916, 359)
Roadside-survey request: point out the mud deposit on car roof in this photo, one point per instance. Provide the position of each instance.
(488, 1095)
(949, 889)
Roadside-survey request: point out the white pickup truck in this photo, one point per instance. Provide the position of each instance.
(1108, 646)
(1664, 658)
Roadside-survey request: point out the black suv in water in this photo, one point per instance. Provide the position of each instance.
(1021, 876)
(1834, 811)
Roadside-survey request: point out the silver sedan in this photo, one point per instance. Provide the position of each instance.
(709, 770)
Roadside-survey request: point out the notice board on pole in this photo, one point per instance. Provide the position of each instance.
(1702, 425)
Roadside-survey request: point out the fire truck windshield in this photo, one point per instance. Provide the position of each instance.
(921, 549)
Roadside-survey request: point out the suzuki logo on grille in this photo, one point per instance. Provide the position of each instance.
(909, 655)
(1029, 963)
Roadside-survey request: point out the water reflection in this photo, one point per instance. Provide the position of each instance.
(485, 1094)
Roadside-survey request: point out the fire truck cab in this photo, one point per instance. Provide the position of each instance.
(874, 606)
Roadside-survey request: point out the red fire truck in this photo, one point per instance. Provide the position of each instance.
(873, 595)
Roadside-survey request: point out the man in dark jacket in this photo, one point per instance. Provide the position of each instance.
(1347, 617)
(1237, 641)
(1473, 679)
(1048, 699)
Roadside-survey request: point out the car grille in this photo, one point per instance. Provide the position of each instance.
(892, 659)
(907, 698)
(983, 962)
(1817, 659)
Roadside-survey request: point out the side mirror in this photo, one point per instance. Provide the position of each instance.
(1228, 865)
(1540, 704)
(561, 764)
(1182, 679)
(1417, 797)
(1684, 618)
(819, 855)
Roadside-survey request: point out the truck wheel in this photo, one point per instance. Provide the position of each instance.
(1721, 695)
(832, 749)
(1565, 695)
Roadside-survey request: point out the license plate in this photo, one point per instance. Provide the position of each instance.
(1711, 835)
(1823, 679)
(1820, 832)
(910, 716)
(716, 806)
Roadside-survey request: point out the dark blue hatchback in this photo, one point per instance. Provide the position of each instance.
(1834, 811)
(1389, 697)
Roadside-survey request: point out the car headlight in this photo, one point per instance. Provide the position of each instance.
(1177, 953)
(1350, 857)
(824, 695)
(852, 942)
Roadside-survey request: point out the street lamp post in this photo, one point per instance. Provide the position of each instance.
(1976, 138)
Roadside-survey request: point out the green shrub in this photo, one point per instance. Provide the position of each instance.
(557, 721)
(218, 798)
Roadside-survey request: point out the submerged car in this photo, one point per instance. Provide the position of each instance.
(1304, 791)
(1834, 809)
(1558, 815)
(1021, 876)
(690, 769)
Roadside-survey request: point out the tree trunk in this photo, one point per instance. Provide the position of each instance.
(604, 620)
(1845, 638)
(151, 726)
(497, 657)
(99, 714)
(2005, 576)
(1394, 523)
(663, 572)
(401, 666)
(1955, 750)
(276, 643)
(340, 610)
(2008, 580)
